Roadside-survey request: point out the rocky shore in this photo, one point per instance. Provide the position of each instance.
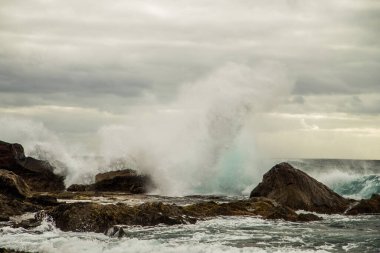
(30, 185)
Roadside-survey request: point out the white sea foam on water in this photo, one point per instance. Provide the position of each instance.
(223, 234)
(57, 241)
(356, 179)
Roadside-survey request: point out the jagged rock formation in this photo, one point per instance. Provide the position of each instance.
(295, 189)
(12, 185)
(37, 174)
(16, 197)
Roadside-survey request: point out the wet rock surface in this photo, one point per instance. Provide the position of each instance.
(12, 185)
(123, 182)
(78, 188)
(112, 174)
(16, 197)
(10, 207)
(85, 217)
(127, 181)
(3, 250)
(39, 175)
(283, 190)
(13, 193)
(297, 190)
(365, 206)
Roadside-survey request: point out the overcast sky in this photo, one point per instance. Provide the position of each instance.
(76, 67)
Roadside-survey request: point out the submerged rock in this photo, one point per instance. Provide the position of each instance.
(308, 217)
(295, 189)
(39, 175)
(365, 206)
(116, 231)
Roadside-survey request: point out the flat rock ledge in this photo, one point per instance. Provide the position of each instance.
(92, 217)
(127, 181)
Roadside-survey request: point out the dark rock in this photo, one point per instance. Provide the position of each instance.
(264, 207)
(37, 174)
(43, 200)
(40, 176)
(117, 181)
(78, 188)
(116, 231)
(86, 217)
(16, 198)
(83, 217)
(10, 153)
(4, 217)
(365, 206)
(12, 206)
(112, 174)
(308, 217)
(3, 250)
(295, 189)
(122, 181)
(27, 224)
(12, 185)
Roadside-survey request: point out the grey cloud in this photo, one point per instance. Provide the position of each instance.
(73, 49)
(356, 105)
(77, 65)
(310, 85)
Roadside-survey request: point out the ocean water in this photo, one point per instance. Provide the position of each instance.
(335, 233)
(355, 179)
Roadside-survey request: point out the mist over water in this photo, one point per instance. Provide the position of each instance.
(201, 142)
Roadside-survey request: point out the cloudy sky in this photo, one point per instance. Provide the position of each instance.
(77, 68)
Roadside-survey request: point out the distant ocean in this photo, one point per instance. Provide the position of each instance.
(335, 233)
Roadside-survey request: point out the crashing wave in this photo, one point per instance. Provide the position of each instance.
(359, 188)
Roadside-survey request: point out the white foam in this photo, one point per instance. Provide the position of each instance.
(223, 234)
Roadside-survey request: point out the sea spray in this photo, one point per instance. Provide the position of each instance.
(188, 146)
(223, 234)
(42, 143)
(355, 179)
(203, 141)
